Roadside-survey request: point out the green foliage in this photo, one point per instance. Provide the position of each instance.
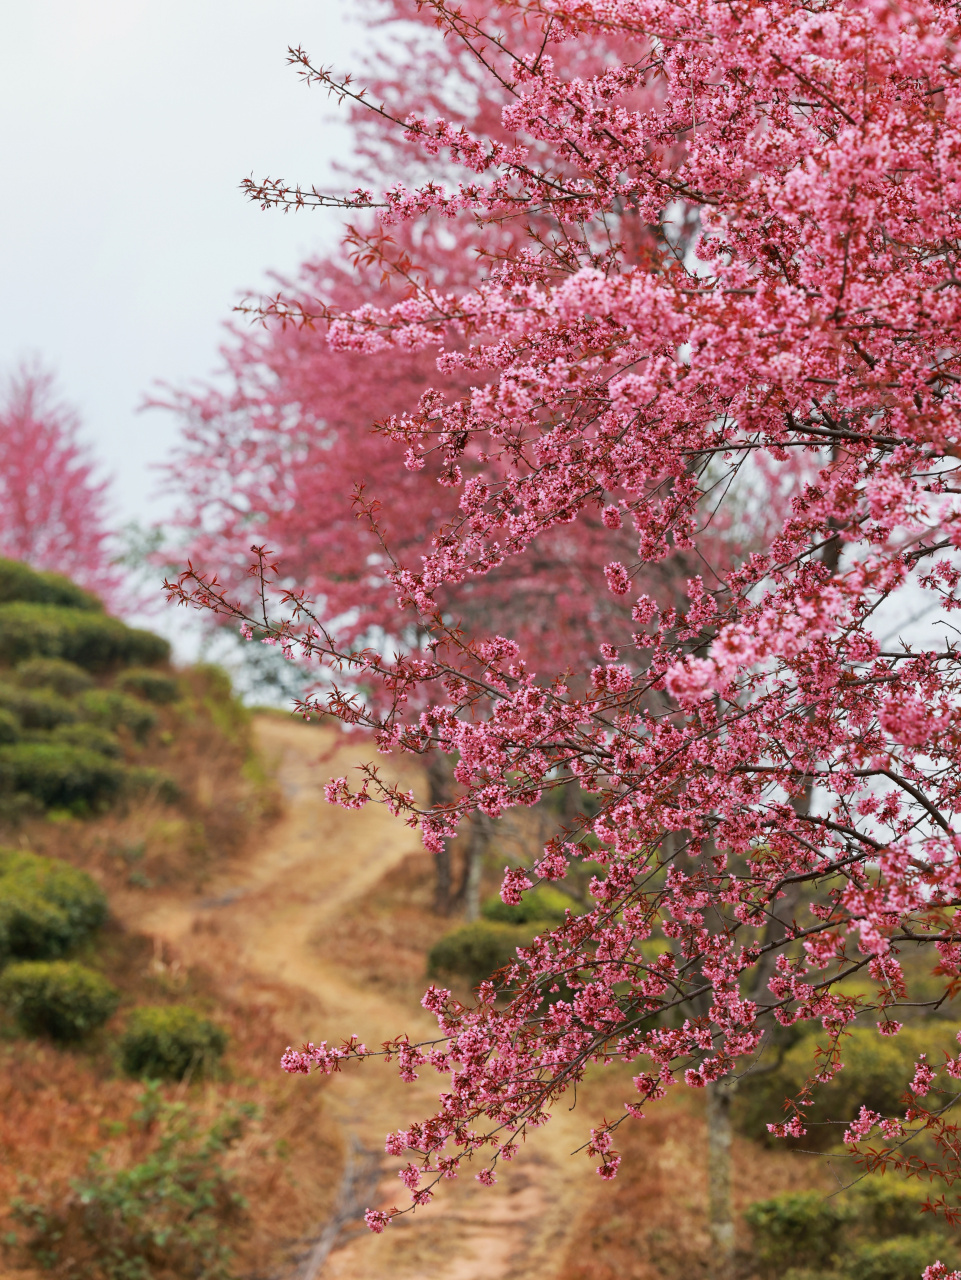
(9, 727)
(543, 904)
(475, 951)
(111, 710)
(57, 998)
(800, 1229)
(170, 1041)
(36, 709)
(900, 1258)
(60, 775)
(167, 1214)
(875, 1231)
(89, 737)
(19, 582)
(91, 640)
(876, 1075)
(65, 678)
(47, 907)
(152, 685)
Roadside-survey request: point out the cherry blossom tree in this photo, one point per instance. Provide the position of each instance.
(774, 787)
(53, 509)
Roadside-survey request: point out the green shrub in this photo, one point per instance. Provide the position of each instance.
(886, 1206)
(168, 1041)
(876, 1075)
(475, 951)
(65, 678)
(19, 582)
(89, 737)
(801, 1229)
(47, 907)
(152, 685)
(111, 710)
(36, 709)
(900, 1258)
(543, 904)
(56, 998)
(169, 1215)
(92, 640)
(59, 775)
(9, 727)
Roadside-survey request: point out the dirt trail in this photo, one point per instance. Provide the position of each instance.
(312, 864)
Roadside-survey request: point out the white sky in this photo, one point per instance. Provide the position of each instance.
(125, 129)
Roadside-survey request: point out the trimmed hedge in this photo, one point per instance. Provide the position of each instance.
(57, 998)
(542, 904)
(475, 951)
(111, 710)
(900, 1258)
(19, 582)
(47, 907)
(92, 640)
(59, 775)
(65, 678)
(168, 1041)
(154, 686)
(37, 709)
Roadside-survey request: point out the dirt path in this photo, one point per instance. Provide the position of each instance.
(311, 865)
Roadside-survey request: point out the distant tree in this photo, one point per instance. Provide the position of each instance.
(53, 509)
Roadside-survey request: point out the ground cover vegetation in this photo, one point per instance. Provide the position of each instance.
(703, 281)
(127, 1119)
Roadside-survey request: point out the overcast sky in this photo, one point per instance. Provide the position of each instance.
(126, 129)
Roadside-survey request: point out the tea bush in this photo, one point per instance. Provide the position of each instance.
(801, 1229)
(475, 951)
(112, 710)
(19, 582)
(65, 678)
(47, 907)
(168, 1215)
(168, 1041)
(59, 775)
(89, 639)
(543, 905)
(152, 685)
(57, 998)
(900, 1258)
(876, 1075)
(152, 781)
(36, 709)
(89, 737)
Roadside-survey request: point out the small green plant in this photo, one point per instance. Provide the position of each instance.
(154, 686)
(167, 1211)
(112, 710)
(57, 998)
(9, 727)
(60, 776)
(47, 907)
(166, 1042)
(65, 678)
(475, 951)
(543, 905)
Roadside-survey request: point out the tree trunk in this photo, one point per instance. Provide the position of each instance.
(439, 781)
(720, 1211)
(473, 865)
